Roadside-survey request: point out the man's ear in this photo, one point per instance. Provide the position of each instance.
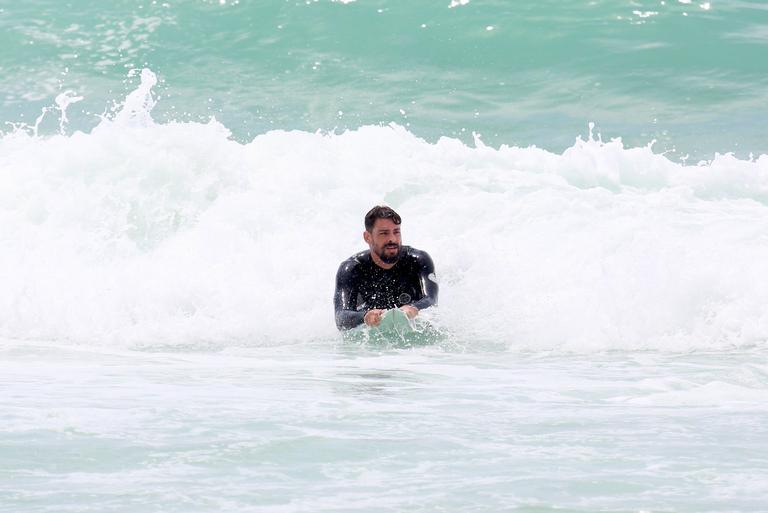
(367, 237)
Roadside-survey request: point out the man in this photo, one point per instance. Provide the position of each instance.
(388, 275)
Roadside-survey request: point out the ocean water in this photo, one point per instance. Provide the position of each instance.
(180, 180)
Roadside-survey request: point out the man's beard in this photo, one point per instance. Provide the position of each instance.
(389, 259)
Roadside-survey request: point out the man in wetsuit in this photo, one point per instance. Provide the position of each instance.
(388, 275)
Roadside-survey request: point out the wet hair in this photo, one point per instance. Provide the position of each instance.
(380, 212)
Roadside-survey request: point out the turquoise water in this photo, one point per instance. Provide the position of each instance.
(87, 430)
(691, 75)
(180, 180)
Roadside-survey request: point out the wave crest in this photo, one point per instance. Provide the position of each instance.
(145, 233)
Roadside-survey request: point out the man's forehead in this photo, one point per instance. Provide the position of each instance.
(385, 224)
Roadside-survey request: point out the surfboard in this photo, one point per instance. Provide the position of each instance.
(395, 331)
(394, 322)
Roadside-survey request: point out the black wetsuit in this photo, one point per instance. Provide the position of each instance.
(361, 285)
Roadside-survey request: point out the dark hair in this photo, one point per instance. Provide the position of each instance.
(380, 212)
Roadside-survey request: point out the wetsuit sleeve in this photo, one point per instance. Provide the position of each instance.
(429, 287)
(345, 298)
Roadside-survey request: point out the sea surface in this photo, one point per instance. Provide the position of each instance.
(179, 181)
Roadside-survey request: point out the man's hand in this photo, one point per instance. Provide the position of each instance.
(410, 311)
(373, 317)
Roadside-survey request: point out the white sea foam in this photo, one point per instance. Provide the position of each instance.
(146, 233)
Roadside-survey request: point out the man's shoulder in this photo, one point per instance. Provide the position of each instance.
(355, 261)
(417, 255)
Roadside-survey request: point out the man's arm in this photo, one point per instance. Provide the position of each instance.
(427, 282)
(345, 298)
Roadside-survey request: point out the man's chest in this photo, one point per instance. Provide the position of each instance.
(380, 284)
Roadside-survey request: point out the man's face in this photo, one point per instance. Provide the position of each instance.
(384, 240)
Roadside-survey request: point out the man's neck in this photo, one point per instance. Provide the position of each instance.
(378, 261)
